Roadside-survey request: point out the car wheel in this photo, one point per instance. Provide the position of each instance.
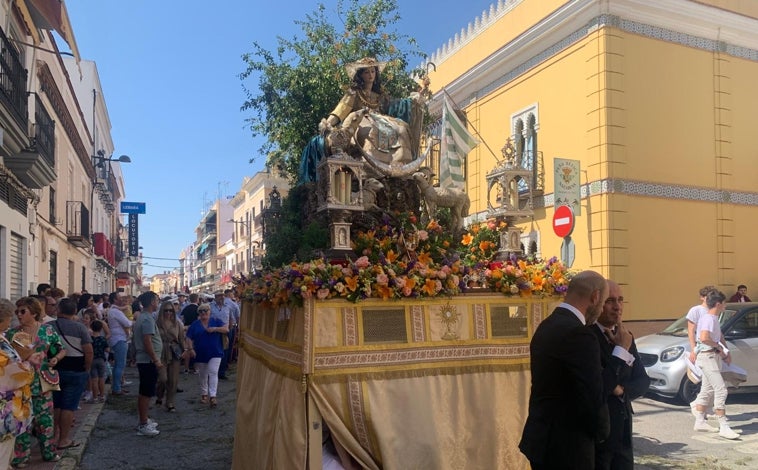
(688, 391)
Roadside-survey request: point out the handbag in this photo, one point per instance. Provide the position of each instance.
(176, 351)
(49, 380)
(224, 341)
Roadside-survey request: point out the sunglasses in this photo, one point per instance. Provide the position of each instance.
(171, 310)
(203, 311)
(21, 311)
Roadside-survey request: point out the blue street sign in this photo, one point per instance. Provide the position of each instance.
(132, 207)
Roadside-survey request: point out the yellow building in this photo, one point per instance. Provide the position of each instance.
(655, 100)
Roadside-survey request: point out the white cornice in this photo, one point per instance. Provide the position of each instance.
(576, 18)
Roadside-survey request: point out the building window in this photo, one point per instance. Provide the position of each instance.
(84, 278)
(53, 261)
(525, 125)
(16, 267)
(52, 218)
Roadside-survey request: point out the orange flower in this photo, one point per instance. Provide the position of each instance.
(391, 256)
(384, 292)
(430, 287)
(425, 258)
(352, 283)
(467, 239)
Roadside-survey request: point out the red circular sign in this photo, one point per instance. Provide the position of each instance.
(563, 221)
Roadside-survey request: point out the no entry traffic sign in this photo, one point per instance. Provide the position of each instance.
(563, 221)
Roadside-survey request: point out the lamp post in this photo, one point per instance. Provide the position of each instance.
(246, 224)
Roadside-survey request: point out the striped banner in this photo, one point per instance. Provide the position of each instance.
(457, 142)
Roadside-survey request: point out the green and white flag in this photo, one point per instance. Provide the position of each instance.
(456, 143)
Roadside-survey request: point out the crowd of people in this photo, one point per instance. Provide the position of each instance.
(58, 351)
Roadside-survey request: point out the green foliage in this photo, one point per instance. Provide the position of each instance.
(299, 83)
(294, 241)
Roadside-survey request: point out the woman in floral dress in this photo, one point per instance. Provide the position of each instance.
(15, 392)
(45, 341)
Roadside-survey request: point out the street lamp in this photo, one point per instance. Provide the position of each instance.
(101, 185)
(101, 159)
(246, 224)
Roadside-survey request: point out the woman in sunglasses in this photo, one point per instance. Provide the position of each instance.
(172, 334)
(45, 340)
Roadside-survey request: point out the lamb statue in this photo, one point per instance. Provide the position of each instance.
(456, 200)
(368, 194)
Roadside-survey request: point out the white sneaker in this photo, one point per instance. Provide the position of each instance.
(727, 433)
(149, 423)
(702, 426)
(147, 430)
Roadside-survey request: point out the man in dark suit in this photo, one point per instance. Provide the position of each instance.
(566, 409)
(625, 379)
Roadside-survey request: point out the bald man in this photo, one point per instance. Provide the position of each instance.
(567, 413)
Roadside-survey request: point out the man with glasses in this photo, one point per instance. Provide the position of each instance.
(51, 308)
(625, 380)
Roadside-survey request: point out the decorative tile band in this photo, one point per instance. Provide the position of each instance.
(659, 190)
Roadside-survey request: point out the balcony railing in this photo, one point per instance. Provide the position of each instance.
(44, 132)
(13, 81)
(77, 224)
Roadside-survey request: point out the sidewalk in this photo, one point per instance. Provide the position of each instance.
(84, 422)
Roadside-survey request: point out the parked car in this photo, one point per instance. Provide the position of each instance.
(664, 354)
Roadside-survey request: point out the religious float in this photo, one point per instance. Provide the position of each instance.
(406, 345)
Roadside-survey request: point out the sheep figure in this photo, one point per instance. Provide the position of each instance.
(456, 200)
(368, 194)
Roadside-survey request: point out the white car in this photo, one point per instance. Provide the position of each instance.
(664, 354)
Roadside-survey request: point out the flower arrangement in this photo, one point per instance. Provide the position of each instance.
(527, 277)
(397, 260)
(481, 242)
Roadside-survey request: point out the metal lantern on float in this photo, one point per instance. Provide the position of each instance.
(336, 176)
(510, 198)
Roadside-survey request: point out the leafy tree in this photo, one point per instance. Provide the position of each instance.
(298, 83)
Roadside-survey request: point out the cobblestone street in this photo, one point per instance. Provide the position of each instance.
(193, 437)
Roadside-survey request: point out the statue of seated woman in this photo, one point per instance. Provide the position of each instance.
(379, 128)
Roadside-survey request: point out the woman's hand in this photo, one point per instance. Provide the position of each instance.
(36, 359)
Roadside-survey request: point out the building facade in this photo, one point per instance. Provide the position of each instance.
(58, 222)
(249, 205)
(652, 104)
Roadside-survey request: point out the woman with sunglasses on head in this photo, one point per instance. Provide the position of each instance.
(16, 376)
(204, 338)
(45, 340)
(172, 334)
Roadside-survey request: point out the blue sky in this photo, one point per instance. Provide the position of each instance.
(169, 71)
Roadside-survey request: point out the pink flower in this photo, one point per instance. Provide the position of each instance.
(322, 293)
(362, 262)
(423, 235)
(382, 279)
